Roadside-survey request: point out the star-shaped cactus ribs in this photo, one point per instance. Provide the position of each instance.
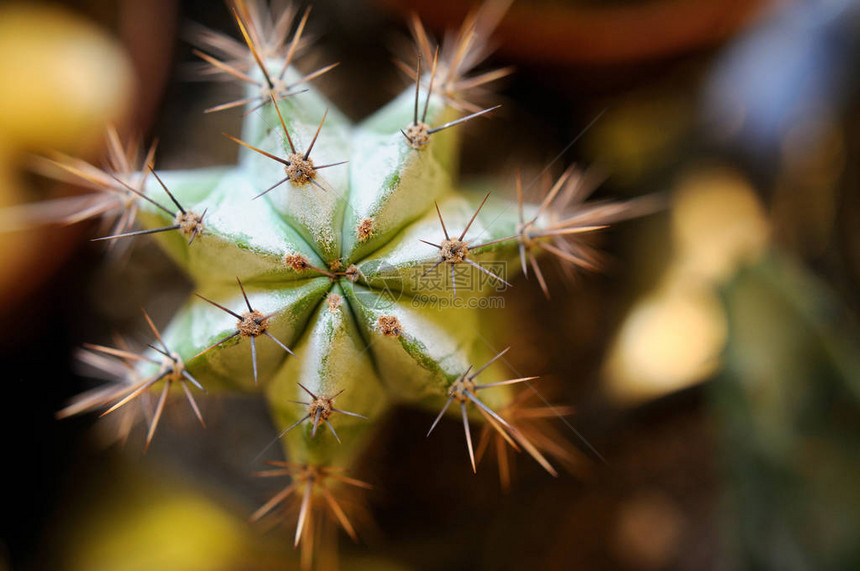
(332, 268)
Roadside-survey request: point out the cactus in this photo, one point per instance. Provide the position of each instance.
(326, 263)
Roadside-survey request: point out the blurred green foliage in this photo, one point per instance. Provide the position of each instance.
(789, 417)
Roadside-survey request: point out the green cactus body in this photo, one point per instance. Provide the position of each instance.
(332, 322)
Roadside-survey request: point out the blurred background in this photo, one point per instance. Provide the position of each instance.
(714, 366)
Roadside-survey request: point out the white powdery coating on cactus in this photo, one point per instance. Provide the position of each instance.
(315, 213)
(237, 208)
(199, 325)
(409, 251)
(435, 346)
(228, 206)
(331, 357)
(390, 183)
(424, 329)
